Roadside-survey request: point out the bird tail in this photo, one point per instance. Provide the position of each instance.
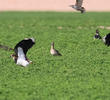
(60, 54)
(6, 48)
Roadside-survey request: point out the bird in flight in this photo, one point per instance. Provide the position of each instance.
(21, 49)
(78, 6)
(53, 51)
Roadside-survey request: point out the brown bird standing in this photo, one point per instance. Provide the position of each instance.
(53, 51)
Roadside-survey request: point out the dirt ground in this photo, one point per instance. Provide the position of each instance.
(52, 5)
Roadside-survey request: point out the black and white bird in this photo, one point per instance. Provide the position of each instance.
(21, 49)
(106, 39)
(53, 51)
(78, 6)
(97, 35)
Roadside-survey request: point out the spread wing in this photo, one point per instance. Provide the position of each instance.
(25, 44)
(79, 3)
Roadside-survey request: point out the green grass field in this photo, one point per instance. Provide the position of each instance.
(82, 73)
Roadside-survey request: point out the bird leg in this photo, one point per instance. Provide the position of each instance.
(29, 60)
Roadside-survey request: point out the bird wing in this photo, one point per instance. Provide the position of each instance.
(79, 3)
(58, 53)
(25, 44)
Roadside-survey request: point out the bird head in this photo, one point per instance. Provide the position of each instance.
(82, 9)
(32, 39)
(97, 31)
(52, 43)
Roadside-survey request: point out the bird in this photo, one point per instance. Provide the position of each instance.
(106, 39)
(97, 35)
(53, 51)
(78, 6)
(20, 51)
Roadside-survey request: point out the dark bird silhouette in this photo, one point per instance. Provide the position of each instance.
(53, 51)
(106, 39)
(78, 6)
(21, 50)
(97, 35)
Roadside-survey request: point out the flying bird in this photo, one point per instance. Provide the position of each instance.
(78, 6)
(97, 35)
(53, 51)
(21, 50)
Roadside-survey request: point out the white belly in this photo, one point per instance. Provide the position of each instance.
(104, 39)
(21, 58)
(22, 62)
